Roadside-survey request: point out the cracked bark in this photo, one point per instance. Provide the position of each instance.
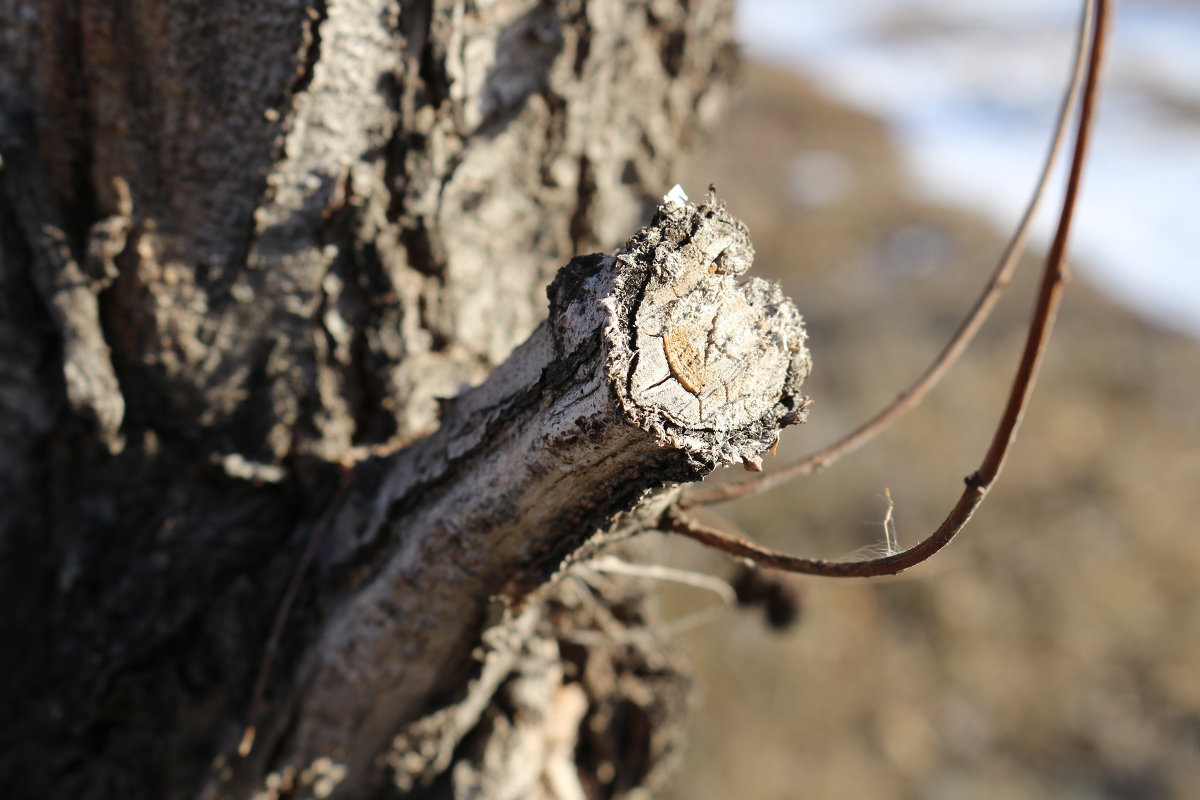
(245, 250)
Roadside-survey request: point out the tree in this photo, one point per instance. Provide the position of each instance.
(248, 252)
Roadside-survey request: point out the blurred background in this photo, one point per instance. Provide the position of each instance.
(880, 154)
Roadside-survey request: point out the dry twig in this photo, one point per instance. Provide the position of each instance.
(1048, 299)
(912, 396)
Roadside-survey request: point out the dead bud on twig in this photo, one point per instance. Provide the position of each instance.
(778, 595)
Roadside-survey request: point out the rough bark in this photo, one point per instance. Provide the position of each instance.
(244, 250)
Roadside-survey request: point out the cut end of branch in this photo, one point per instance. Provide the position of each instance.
(708, 364)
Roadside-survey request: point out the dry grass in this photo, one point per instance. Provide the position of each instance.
(1054, 650)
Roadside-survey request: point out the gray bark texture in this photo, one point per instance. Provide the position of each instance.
(258, 536)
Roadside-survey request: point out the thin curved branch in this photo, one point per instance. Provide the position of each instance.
(1048, 299)
(912, 396)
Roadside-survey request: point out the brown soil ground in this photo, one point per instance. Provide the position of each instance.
(1053, 651)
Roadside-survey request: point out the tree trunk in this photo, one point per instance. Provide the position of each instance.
(246, 251)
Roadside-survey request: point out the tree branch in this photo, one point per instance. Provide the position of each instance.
(654, 367)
